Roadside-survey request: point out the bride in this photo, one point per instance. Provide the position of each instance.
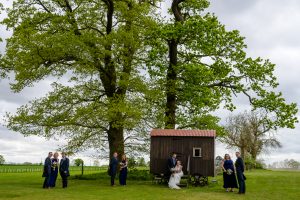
(176, 176)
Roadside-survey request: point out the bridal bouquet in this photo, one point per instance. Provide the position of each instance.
(229, 171)
(54, 165)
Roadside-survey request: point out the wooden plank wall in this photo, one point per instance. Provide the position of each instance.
(162, 147)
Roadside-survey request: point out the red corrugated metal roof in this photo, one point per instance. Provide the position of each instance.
(179, 132)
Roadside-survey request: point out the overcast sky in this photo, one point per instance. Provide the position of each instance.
(271, 28)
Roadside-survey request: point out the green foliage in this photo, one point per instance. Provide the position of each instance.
(2, 160)
(251, 163)
(132, 163)
(115, 57)
(139, 175)
(102, 60)
(141, 162)
(78, 162)
(212, 68)
(260, 165)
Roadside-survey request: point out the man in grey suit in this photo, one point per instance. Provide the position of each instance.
(64, 169)
(47, 171)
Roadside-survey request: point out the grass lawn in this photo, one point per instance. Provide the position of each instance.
(260, 184)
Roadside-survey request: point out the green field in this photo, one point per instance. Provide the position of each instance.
(261, 184)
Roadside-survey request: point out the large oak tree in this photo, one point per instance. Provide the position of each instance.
(98, 46)
(200, 67)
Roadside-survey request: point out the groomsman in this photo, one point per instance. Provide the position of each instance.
(113, 165)
(47, 171)
(239, 165)
(64, 169)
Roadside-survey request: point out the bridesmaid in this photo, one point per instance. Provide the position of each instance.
(228, 174)
(54, 169)
(123, 170)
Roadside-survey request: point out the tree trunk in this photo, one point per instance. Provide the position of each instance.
(243, 152)
(170, 113)
(255, 146)
(116, 93)
(108, 78)
(115, 140)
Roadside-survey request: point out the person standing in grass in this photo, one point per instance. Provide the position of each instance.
(228, 174)
(239, 165)
(113, 165)
(64, 169)
(47, 171)
(123, 170)
(54, 169)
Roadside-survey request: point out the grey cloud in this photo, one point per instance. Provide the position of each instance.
(261, 22)
(26, 95)
(224, 8)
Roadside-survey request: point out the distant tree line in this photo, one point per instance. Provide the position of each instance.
(285, 164)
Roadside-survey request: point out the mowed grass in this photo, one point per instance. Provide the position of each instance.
(261, 184)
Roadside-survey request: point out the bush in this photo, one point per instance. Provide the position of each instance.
(139, 175)
(141, 162)
(131, 163)
(78, 162)
(2, 160)
(250, 163)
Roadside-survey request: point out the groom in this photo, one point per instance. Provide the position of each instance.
(113, 166)
(239, 165)
(171, 163)
(47, 171)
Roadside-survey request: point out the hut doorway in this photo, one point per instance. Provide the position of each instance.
(178, 148)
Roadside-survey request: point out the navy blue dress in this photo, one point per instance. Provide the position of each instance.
(229, 179)
(54, 172)
(123, 173)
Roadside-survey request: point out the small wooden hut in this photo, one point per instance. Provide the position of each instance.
(194, 148)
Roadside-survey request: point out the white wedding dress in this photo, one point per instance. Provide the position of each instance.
(175, 177)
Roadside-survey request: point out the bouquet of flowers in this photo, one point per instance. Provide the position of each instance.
(173, 169)
(54, 165)
(229, 171)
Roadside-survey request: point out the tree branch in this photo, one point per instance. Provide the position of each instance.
(176, 10)
(44, 7)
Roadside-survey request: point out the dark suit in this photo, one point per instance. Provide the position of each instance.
(239, 165)
(64, 171)
(47, 172)
(171, 164)
(113, 165)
